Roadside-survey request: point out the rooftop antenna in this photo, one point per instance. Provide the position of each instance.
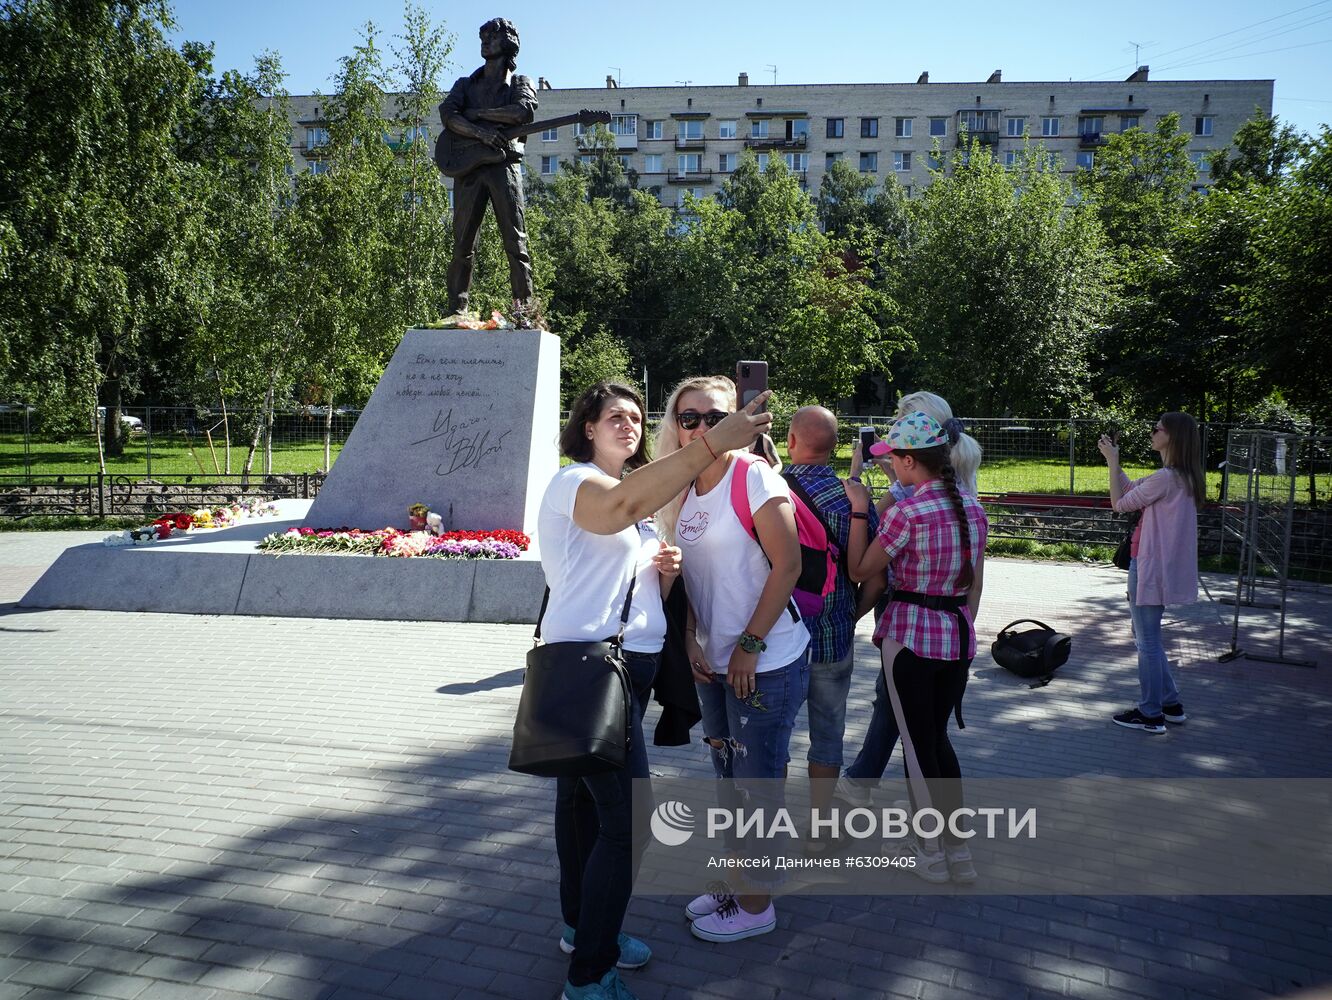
(774, 73)
(1136, 47)
(618, 72)
(684, 83)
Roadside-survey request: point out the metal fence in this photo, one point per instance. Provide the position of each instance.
(101, 495)
(1042, 480)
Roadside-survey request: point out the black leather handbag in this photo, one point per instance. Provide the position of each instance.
(1124, 553)
(1031, 653)
(573, 715)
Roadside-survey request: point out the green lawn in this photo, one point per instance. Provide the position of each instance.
(172, 456)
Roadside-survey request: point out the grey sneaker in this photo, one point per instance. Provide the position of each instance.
(852, 791)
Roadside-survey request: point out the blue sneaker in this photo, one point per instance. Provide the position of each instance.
(611, 987)
(634, 954)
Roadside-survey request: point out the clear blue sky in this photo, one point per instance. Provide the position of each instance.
(661, 44)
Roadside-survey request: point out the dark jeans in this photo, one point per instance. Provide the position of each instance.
(923, 694)
(880, 738)
(501, 186)
(594, 839)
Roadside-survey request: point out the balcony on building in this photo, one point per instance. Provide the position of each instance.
(628, 142)
(1090, 140)
(625, 129)
(701, 176)
(979, 124)
(777, 142)
(690, 142)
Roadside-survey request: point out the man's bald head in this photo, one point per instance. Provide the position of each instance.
(813, 436)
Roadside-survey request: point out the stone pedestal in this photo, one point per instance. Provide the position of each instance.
(463, 421)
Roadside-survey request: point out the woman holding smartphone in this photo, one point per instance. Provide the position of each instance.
(746, 644)
(596, 544)
(1163, 568)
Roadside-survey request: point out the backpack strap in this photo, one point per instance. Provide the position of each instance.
(740, 504)
(799, 490)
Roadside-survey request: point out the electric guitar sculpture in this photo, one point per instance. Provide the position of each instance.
(457, 155)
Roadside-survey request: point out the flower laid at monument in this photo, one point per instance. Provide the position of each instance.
(499, 544)
(467, 320)
(199, 519)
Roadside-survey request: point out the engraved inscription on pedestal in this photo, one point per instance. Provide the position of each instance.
(464, 421)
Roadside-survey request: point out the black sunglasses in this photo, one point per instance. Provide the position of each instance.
(689, 418)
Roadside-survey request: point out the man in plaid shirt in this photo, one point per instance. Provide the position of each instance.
(810, 444)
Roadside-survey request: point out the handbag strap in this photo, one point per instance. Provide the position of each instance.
(624, 613)
(1022, 621)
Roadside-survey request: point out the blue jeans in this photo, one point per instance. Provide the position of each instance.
(594, 840)
(755, 741)
(880, 737)
(1157, 686)
(828, 686)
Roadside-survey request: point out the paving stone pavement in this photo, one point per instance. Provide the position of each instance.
(203, 808)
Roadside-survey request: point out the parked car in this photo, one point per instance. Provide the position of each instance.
(127, 422)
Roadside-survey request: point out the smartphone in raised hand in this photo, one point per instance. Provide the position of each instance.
(751, 379)
(866, 439)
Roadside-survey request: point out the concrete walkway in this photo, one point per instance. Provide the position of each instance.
(213, 807)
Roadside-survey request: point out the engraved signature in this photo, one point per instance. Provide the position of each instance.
(464, 448)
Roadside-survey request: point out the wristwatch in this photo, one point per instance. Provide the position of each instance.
(751, 643)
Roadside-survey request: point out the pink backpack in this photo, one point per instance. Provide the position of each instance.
(818, 552)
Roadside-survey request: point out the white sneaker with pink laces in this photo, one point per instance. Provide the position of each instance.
(731, 922)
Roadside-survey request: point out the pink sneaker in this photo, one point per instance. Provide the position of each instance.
(733, 923)
(717, 896)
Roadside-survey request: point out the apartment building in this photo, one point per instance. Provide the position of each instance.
(688, 139)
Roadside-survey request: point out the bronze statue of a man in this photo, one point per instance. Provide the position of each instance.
(485, 164)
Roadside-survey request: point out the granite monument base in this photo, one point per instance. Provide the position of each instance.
(222, 573)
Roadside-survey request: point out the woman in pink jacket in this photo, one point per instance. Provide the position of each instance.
(1164, 565)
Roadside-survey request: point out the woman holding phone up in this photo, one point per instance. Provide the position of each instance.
(595, 544)
(1163, 568)
(747, 646)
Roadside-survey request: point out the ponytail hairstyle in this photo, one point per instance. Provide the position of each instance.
(964, 453)
(668, 440)
(1184, 453)
(935, 461)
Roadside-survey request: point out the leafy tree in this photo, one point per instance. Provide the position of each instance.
(1004, 286)
(1138, 182)
(598, 164)
(1263, 152)
(94, 193)
(1288, 303)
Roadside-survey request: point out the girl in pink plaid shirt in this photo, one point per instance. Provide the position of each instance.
(935, 542)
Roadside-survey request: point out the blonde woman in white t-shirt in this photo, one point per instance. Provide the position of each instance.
(594, 540)
(746, 644)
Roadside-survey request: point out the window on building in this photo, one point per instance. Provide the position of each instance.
(550, 164)
(799, 162)
(320, 167)
(624, 125)
(869, 163)
(869, 128)
(1085, 159)
(316, 137)
(550, 135)
(1201, 162)
(902, 127)
(587, 159)
(901, 161)
(980, 121)
(578, 129)
(1050, 126)
(726, 162)
(1016, 126)
(624, 160)
(829, 159)
(1010, 158)
(1127, 122)
(938, 128)
(1202, 125)
(797, 128)
(689, 163)
(691, 128)
(652, 130)
(758, 128)
(1091, 125)
(763, 161)
(652, 163)
(726, 129)
(935, 162)
(836, 128)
